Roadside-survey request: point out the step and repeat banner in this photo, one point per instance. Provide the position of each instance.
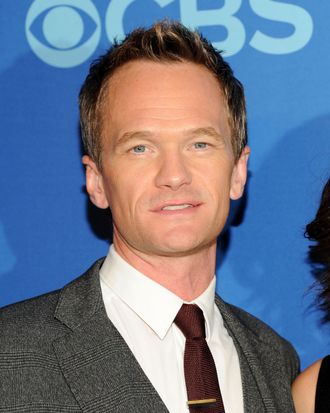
(49, 232)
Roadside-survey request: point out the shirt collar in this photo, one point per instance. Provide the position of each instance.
(206, 302)
(153, 303)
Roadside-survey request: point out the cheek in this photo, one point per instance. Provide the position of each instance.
(218, 184)
(124, 196)
(219, 194)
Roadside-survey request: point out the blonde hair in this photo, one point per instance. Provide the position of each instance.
(163, 42)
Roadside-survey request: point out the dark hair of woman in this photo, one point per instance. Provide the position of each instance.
(319, 253)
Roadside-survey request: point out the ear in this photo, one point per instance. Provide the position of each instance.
(239, 175)
(94, 183)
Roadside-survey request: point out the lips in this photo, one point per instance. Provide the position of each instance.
(176, 207)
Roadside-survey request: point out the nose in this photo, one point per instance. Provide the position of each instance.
(173, 171)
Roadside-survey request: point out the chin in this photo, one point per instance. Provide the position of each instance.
(180, 247)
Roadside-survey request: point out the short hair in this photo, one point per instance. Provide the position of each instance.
(319, 253)
(163, 42)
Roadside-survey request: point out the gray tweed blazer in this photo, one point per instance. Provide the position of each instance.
(60, 353)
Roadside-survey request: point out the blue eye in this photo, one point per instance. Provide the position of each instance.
(200, 145)
(139, 149)
(65, 34)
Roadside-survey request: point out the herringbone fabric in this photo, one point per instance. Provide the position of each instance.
(59, 353)
(199, 368)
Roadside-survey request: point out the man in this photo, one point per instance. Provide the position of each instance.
(163, 124)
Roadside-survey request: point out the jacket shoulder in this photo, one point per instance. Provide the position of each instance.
(29, 322)
(277, 345)
(255, 325)
(29, 367)
(37, 318)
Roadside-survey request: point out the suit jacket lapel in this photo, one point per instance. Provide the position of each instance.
(103, 374)
(257, 364)
(98, 366)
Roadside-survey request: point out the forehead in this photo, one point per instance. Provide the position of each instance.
(145, 94)
(165, 77)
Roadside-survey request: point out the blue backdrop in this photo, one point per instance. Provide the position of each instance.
(49, 233)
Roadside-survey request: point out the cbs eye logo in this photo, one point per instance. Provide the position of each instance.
(63, 33)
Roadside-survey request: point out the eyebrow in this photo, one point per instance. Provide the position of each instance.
(207, 131)
(145, 134)
(127, 136)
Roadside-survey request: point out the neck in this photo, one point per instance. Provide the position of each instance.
(186, 276)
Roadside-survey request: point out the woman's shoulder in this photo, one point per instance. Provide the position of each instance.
(304, 388)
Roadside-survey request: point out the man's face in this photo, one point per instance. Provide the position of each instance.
(168, 168)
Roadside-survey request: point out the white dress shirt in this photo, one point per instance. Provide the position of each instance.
(143, 312)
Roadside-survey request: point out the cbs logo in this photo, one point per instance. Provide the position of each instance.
(65, 33)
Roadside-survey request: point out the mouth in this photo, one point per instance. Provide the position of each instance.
(176, 207)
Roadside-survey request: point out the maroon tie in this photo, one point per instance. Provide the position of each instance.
(202, 384)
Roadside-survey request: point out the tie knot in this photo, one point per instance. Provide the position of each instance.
(190, 320)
